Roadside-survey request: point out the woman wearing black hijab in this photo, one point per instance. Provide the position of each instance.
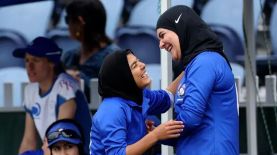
(206, 100)
(118, 127)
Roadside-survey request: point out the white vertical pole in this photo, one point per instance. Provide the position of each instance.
(250, 67)
(166, 73)
(95, 98)
(8, 95)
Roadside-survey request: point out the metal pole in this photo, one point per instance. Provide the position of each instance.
(250, 67)
(166, 78)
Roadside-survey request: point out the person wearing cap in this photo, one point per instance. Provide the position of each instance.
(51, 93)
(65, 137)
(119, 124)
(206, 99)
(86, 21)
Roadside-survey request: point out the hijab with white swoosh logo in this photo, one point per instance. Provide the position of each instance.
(194, 34)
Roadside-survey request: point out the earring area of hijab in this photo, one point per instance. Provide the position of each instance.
(77, 34)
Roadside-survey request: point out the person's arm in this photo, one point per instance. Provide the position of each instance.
(172, 87)
(169, 129)
(66, 97)
(113, 131)
(67, 109)
(29, 138)
(160, 101)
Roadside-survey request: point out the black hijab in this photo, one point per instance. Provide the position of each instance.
(116, 79)
(194, 34)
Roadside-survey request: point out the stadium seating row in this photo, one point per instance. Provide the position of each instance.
(138, 34)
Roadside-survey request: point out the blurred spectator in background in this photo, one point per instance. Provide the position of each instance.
(127, 9)
(86, 20)
(198, 5)
(59, 6)
(65, 137)
(51, 95)
(267, 10)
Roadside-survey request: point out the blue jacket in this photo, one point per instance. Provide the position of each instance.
(33, 152)
(119, 122)
(206, 102)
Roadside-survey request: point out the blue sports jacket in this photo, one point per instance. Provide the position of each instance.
(206, 102)
(119, 122)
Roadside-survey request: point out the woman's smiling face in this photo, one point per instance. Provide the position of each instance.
(170, 42)
(138, 71)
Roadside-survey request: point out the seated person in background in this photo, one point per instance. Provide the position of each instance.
(65, 137)
(51, 95)
(86, 20)
(118, 126)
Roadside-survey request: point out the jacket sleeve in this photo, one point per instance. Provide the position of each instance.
(159, 101)
(199, 82)
(114, 130)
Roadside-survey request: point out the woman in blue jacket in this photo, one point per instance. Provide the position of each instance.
(118, 127)
(206, 100)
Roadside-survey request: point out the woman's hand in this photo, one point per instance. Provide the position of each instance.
(74, 73)
(169, 129)
(150, 125)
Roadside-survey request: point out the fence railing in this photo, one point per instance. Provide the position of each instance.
(266, 95)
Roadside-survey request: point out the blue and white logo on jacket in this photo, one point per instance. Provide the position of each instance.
(36, 109)
(181, 90)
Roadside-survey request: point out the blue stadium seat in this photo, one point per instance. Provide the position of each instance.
(29, 19)
(9, 40)
(145, 13)
(229, 13)
(273, 29)
(233, 47)
(62, 37)
(142, 40)
(113, 11)
(188, 3)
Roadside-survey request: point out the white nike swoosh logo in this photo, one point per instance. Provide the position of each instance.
(177, 20)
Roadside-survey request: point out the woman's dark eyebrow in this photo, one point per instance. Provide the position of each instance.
(160, 34)
(133, 63)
